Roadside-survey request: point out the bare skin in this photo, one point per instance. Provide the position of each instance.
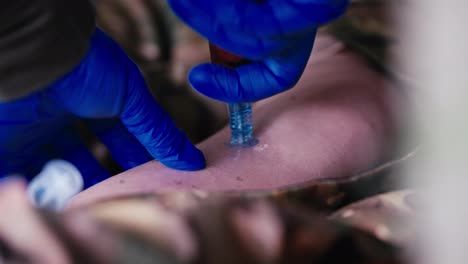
(335, 122)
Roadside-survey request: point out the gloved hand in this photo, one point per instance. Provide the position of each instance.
(277, 35)
(106, 84)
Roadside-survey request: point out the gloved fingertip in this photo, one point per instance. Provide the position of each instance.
(199, 77)
(188, 158)
(213, 81)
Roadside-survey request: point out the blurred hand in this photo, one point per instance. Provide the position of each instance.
(106, 84)
(276, 35)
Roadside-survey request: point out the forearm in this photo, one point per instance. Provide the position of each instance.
(334, 123)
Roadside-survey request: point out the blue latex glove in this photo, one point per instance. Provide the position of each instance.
(277, 35)
(107, 90)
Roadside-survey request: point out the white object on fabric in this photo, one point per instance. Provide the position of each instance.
(57, 183)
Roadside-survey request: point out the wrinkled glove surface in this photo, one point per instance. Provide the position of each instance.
(276, 35)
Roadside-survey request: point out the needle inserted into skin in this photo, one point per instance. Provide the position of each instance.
(241, 124)
(240, 114)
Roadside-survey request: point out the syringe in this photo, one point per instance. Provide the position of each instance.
(240, 114)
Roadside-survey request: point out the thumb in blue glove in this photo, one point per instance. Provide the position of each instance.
(276, 35)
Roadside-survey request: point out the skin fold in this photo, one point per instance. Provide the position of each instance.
(338, 120)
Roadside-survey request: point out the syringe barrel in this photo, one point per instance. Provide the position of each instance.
(240, 114)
